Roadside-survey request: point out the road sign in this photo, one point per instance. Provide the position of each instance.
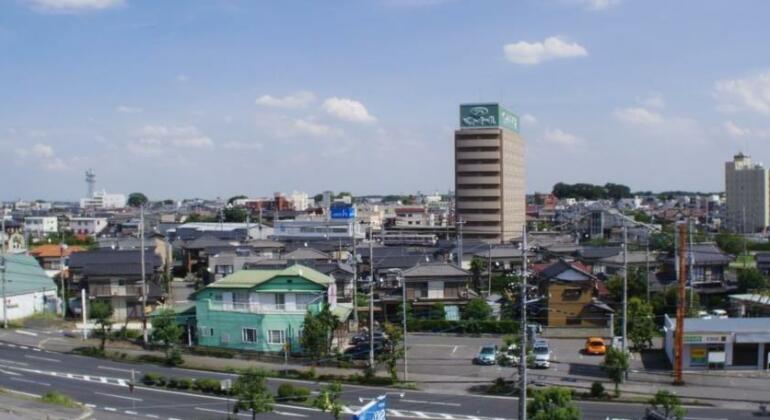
(374, 410)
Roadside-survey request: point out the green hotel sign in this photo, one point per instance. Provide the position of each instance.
(487, 116)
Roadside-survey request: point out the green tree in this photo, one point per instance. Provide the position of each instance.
(617, 191)
(328, 400)
(395, 350)
(641, 324)
(167, 332)
(478, 265)
(665, 303)
(313, 336)
(615, 365)
(137, 199)
(637, 285)
(101, 311)
(553, 403)
(730, 243)
(330, 323)
(437, 311)
(669, 403)
(477, 309)
(251, 393)
(750, 279)
(234, 215)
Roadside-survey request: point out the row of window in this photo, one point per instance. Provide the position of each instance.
(248, 335)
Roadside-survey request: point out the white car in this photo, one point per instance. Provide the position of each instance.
(719, 313)
(542, 354)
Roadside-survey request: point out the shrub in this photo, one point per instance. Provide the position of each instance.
(208, 385)
(213, 352)
(89, 351)
(289, 392)
(153, 379)
(597, 390)
(184, 383)
(174, 358)
(464, 327)
(55, 397)
(309, 374)
(301, 393)
(500, 386)
(150, 358)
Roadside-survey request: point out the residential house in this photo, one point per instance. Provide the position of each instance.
(51, 256)
(87, 226)
(613, 265)
(40, 226)
(28, 289)
(709, 269)
(570, 296)
(262, 310)
(115, 277)
(427, 284)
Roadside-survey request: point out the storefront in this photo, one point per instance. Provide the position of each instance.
(732, 343)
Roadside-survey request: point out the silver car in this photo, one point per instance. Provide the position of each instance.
(542, 354)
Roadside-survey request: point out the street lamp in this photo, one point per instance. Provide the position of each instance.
(402, 280)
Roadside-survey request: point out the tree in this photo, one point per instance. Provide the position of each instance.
(313, 336)
(477, 309)
(167, 331)
(251, 393)
(750, 279)
(477, 266)
(234, 215)
(617, 191)
(137, 199)
(669, 403)
(553, 403)
(330, 323)
(102, 312)
(616, 365)
(730, 243)
(637, 285)
(437, 311)
(328, 400)
(395, 350)
(665, 303)
(641, 324)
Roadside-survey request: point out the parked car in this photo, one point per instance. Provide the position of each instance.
(510, 357)
(487, 355)
(719, 313)
(363, 337)
(361, 351)
(542, 354)
(595, 345)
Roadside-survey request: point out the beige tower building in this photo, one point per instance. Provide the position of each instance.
(489, 173)
(747, 193)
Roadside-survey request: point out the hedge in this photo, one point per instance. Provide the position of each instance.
(463, 327)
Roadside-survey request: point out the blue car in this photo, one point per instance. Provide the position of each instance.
(487, 355)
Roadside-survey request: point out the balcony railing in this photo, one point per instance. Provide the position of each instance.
(256, 308)
(105, 291)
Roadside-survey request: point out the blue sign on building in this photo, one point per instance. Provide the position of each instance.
(375, 410)
(342, 212)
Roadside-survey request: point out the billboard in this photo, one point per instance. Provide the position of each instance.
(374, 410)
(487, 116)
(342, 212)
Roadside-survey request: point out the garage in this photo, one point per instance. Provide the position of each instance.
(745, 354)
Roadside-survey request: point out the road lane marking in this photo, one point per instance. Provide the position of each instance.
(90, 405)
(13, 363)
(117, 369)
(118, 396)
(46, 359)
(286, 413)
(8, 372)
(431, 402)
(132, 413)
(30, 382)
(30, 333)
(110, 409)
(421, 415)
(152, 416)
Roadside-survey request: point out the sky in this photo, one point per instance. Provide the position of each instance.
(214, 98)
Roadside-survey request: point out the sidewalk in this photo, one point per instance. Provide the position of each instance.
(19, 407)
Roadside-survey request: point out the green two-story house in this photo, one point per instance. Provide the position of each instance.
(260, 310)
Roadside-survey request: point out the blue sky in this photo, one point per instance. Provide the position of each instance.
(215, 98)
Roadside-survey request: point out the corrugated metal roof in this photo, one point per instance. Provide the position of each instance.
(726, 325)
(251, 278)
(24, 275)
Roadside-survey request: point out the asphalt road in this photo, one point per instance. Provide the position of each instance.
(102, 385)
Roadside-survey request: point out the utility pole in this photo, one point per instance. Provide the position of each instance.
(144, 280)
(371, 297)
(355, 284)
(625, 288)
(690, 260)
(523, 329)
(459, 223)
(83, 309)
(680, 306)
(2, 269)
(403, 313)
(489, 271)
(62, 279)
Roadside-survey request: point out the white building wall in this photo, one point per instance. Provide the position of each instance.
(22, 306)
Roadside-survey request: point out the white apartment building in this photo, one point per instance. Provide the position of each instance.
(90, 226)
(317, 229)
(300, 200)
(747, 195)
(39, 226)
(102, 200)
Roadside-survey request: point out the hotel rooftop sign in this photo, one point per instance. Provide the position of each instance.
(487, 116)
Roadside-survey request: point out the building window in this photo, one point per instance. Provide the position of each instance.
(573, 320)
(249, 335)
(223, 269)
(303, 300)
(280, 301)
(206, 331)
(276, 337)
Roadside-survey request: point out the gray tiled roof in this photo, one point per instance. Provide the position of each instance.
(437, 269)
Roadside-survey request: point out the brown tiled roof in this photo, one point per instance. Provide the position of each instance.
(54, 250)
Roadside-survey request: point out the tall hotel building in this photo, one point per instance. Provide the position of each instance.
(490, 197)
(747, 194)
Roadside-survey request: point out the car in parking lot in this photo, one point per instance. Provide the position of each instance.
(542, 354)
(487, 355)
(361, 351)
(510, 357)
(363, 337)
(595, 345)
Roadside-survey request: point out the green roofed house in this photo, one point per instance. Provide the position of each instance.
(262, 310)
(28, 290)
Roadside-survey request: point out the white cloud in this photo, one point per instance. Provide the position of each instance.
(348, 110)
(156, 140)
(751, 94)
(312, 128)
(551, 48)
(733, 130)
(125, 109)
(69, 6)
(637, 115)
(298, 100)
(239, 145)
(557, 136)
(44, 156)
(599, 4)
(653, 100)
(529, 119)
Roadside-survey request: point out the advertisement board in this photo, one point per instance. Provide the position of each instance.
(342, 212)
(487, 116)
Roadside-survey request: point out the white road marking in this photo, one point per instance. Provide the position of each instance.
(8, 372)
(117, 369)
(173, 418)
(421, 415)
(110, 409)
(30, 382)
(103, 380)
(118, 396)
(122, 382)
(395, 413)
(86, 378)
(46, 359)
(24, 347)
(11, 345)
(27, 333)
(431, 402)
(14, 363)
(454, 350)
(152, 416)
(36, 349)
(286, 413)
(133, 413)
(90, 405)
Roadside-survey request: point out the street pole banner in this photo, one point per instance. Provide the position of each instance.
(374, 410)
